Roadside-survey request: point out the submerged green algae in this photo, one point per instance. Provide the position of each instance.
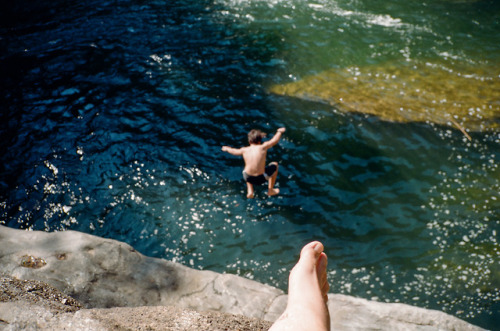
(467, 97)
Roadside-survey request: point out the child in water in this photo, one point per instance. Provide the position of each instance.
(255, 171)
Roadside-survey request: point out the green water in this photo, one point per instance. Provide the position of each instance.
(114, 113)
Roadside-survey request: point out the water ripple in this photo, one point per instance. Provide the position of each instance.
(114, 115)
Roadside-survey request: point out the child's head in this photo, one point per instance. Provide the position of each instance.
(255, 136)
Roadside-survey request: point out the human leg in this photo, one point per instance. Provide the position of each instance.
(272, 181)
(250, 191)
(307, 293)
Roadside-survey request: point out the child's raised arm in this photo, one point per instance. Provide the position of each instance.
(274, 140)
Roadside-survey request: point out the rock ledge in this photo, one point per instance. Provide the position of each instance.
(75, 281)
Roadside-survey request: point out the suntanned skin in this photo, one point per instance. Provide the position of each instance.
(307, 293)
(255, 161)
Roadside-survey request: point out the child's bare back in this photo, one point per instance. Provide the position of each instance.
(255, 159)
(255, 171)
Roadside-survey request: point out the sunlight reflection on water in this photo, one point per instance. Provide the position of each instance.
(115, 126)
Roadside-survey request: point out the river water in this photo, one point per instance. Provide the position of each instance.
(114, 113)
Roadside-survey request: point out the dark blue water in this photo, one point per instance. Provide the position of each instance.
(113, 114)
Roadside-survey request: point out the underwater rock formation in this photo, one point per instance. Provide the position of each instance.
(466, 97)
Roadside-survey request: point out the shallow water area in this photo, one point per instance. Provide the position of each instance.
(432, 92)
(114, 114)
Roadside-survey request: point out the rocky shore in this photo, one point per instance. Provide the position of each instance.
(75, 281)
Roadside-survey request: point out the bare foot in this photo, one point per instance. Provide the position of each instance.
(307, 293)
(250, 195)
(273, 191)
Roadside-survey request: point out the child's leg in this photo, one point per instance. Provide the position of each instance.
(272, 180)
(250, 191)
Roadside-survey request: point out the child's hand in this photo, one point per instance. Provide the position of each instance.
(282, 130)
(224, 148)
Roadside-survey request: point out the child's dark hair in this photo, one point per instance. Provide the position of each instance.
(255, 136)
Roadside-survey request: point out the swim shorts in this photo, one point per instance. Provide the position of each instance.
(261, 179)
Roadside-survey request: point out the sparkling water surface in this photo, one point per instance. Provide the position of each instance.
(114, 113)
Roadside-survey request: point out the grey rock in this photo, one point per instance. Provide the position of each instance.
(104, 273)
(109, 278)
(350, 313)
(22, 315)
(34, 305)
